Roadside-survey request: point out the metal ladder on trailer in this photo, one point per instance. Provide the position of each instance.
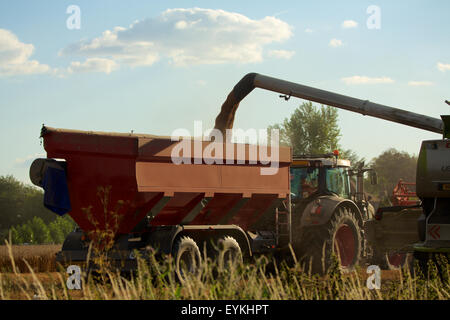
(283, 222)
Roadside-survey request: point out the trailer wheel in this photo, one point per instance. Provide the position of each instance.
(341, 235)
(230, 254)
(397, 260)
(188, 259)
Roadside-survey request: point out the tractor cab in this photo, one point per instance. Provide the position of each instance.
(312, 176)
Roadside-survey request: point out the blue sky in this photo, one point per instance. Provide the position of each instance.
(153, 67)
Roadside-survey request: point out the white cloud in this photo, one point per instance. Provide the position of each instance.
(15, 55)
(347, 24)
(186, 37)
(281, 54)
(420, 83)
(366, 80)
(308, 30)
(335, 43)
(93, 65)
(443, 66)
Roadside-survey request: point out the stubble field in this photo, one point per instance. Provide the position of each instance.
(34, 275)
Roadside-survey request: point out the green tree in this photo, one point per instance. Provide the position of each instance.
(40, 231)
(60, 228)
(56, 233)
(15, 236)
(19, 203)
(67, 224)
(391, 166)
(25, 233)
(24, 215)
(313, 130)
(37, 232)
(310, 130)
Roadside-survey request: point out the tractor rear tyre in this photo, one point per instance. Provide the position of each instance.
(341, 236)
(230, 254)
(188, 259)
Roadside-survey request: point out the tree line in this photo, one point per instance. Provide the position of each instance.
(24, 217)
(36, 231)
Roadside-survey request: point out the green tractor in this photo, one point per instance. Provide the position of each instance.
(329, 211)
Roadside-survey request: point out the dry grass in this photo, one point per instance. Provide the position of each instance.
(40, 257)
(155, 279)
(28, 272)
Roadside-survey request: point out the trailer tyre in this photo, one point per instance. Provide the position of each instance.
(398, 260)
(188, 259)
(341, 235)
(230, 254)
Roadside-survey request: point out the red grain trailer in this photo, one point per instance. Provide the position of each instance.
(128, 186)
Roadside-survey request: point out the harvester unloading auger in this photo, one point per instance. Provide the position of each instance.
(433, 170)
(251, 81)
(129, 183)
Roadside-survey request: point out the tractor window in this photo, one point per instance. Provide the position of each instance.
(337, 181)
(304, 181)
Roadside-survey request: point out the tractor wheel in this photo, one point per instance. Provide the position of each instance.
(188, 259)
(230, 254)
(341, 236)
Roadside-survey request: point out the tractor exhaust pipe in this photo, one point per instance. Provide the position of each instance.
(225, 118)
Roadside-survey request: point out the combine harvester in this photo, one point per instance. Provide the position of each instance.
(396, 230)
(128, 187)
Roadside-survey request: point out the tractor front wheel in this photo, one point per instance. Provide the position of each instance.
(341, 236)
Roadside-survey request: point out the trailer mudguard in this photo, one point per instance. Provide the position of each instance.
(312, 216)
